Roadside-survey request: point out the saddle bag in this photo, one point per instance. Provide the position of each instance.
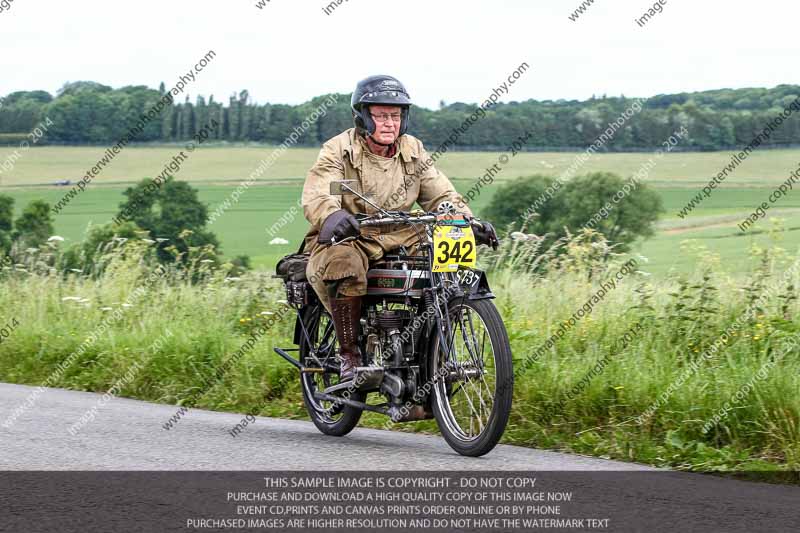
(292, 270)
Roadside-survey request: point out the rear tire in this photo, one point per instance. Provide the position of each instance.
(486, 392)
(330, 418)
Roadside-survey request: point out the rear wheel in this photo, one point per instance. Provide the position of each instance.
(474, 383)
(330, 417)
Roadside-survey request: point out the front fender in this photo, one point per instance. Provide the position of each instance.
(473, 286)
(476, 286)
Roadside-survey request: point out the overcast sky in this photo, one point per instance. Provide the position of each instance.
(452, 50)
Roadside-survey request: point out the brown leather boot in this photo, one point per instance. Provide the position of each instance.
(346, 311)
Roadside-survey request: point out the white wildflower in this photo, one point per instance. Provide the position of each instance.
(278, 240)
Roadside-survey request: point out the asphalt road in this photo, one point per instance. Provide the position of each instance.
(128, 435)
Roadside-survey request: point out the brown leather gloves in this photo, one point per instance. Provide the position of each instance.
(339, 225)
(487, 235)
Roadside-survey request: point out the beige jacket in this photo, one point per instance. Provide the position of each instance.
(395, 183)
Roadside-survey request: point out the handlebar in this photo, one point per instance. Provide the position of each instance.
(383, 221)
(400, 219)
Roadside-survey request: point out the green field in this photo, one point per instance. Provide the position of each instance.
(217, 170)
(210, 320)
(41, 166)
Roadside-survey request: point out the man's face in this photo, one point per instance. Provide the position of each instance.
(387, 122)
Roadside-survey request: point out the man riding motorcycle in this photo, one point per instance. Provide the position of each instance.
(388, 166)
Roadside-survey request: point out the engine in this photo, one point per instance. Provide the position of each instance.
(390, 341)
(390, 335)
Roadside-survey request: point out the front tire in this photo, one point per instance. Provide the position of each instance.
(472, 399)
(330, 418)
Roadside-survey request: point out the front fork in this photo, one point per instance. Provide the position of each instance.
(441, 315)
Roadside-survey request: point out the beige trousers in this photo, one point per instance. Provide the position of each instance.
(350, 261)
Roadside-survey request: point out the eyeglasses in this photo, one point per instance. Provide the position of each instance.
(384, 117)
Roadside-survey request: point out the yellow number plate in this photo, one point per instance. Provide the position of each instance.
(453, 246)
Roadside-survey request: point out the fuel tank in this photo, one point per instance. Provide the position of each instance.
(397, 282)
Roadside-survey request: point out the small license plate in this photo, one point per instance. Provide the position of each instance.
(453, 246)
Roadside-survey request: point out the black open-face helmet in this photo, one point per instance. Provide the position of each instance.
(378, 90)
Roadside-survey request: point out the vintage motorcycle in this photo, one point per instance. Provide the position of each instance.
(432, 342)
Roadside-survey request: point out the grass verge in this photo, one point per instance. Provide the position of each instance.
(59, 318)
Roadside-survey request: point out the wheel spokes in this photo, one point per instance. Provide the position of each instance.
(322, 326)
(471, 402)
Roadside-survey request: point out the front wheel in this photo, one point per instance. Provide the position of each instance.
(473, 384)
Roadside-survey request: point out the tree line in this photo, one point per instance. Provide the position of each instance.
(93, 113)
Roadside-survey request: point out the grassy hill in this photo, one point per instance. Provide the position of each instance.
(217, 170)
